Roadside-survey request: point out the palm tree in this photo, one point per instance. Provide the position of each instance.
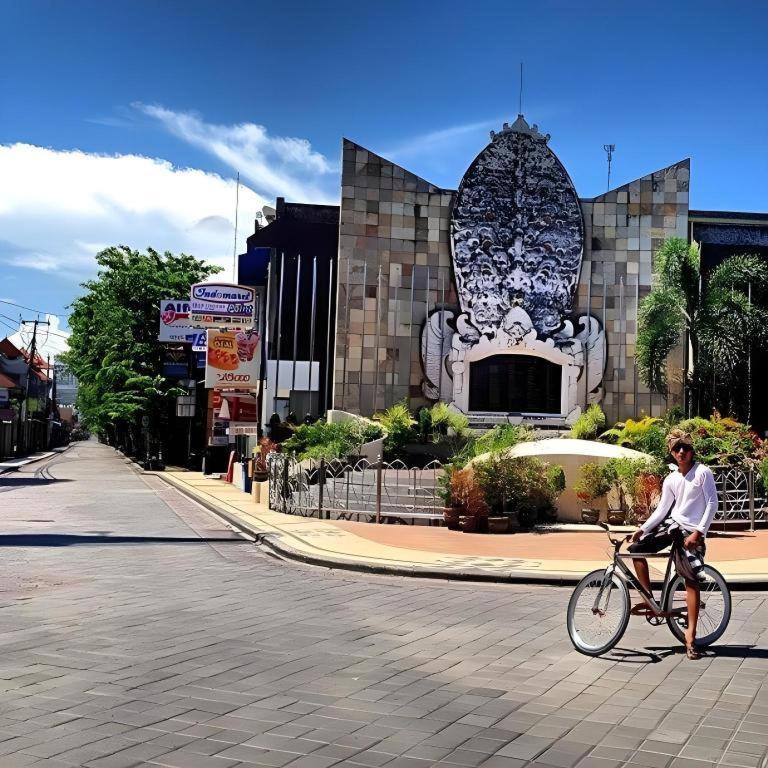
(722, 317)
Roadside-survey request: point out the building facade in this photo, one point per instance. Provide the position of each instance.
(510, 298)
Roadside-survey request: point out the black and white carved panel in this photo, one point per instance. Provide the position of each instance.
(517, 233)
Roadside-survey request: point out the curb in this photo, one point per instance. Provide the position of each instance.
(277, 547)
(273, 543)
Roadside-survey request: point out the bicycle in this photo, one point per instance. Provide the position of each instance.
(599, 609)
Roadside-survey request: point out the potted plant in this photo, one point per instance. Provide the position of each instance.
(591, 486)
(451, 504)
(260, 468)
(466, 491)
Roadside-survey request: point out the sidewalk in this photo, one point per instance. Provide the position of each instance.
(406, 550)
(11, 465)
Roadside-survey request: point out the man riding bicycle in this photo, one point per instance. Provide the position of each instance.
(690, 493)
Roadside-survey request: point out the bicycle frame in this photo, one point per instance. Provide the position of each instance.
(620, 569)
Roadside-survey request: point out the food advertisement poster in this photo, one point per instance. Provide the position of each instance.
(232, 360)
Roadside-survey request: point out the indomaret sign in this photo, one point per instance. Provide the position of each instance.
(215, 305)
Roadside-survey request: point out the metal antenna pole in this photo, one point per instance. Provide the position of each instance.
(609, 150)
(520, 96)
(234, 247)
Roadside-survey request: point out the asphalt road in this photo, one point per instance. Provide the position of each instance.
(137, 629)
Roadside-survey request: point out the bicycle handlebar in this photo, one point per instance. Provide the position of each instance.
(616, 542)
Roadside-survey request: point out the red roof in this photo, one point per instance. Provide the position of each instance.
(7, 382)
(10, 350)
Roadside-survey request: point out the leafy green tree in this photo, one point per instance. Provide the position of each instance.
(723, 317)
(114, 351)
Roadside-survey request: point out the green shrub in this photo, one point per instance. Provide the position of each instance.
(721, 440)
(331, 441)
(589, 425)
(501, 438)
(647, 435)
(399, 425)
(523, 485)
(592, 484)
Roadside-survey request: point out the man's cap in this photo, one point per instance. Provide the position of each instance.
(677, 436)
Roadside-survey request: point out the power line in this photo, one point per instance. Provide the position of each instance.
(31, 309)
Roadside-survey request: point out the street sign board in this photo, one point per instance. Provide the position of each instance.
(217, 305)
(174, 320)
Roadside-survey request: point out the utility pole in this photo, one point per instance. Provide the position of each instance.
(30, 363)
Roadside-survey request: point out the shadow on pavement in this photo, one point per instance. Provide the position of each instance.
(710, 651)
(68, 540)
(8, 483)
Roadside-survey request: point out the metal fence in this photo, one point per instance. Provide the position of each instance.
(391, 492)
(741, 498)
(373, 491)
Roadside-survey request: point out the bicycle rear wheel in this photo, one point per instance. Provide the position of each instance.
(598, 613)
(714, 613)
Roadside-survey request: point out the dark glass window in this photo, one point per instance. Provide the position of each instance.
(515, 384)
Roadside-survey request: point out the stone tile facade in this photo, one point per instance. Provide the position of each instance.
(395, 267)
(624, 227)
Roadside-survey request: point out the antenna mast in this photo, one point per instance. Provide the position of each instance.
(520, 95)
(234, 247)
(609, 150)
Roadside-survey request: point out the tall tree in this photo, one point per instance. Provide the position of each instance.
(114, 351)
(724, 317)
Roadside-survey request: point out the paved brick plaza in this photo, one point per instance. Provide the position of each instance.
(157, 648)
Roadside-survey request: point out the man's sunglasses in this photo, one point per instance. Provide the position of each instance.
(681, 447)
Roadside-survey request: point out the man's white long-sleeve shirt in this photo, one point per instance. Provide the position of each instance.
(694, 497)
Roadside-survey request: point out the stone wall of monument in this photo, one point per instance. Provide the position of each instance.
(623, 228)
(394, 268)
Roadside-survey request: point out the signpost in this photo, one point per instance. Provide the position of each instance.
(219, 305)
(174, 321)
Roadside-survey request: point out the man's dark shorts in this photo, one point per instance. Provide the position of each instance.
(662, 536)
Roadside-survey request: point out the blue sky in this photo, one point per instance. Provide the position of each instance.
(125, 122)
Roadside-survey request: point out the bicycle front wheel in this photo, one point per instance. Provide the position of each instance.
(598, 613)
(714, 611)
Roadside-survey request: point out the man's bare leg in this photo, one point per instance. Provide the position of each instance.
(692, 599)
(643, 576)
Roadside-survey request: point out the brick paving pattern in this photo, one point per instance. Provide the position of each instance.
(136, 629)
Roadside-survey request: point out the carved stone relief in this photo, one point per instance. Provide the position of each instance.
(517, 237)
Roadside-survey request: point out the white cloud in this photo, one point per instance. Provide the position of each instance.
(50, 340)
(274, 165)
(59, 208)
(441, 141)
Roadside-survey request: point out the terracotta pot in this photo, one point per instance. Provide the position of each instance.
(451, 517)
(616, 516)
(590, 516)
(498, 524)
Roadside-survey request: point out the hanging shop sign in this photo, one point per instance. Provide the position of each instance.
(197, 339)
(175, 363)
(174, 321)
(215, 305)
(232, 360)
